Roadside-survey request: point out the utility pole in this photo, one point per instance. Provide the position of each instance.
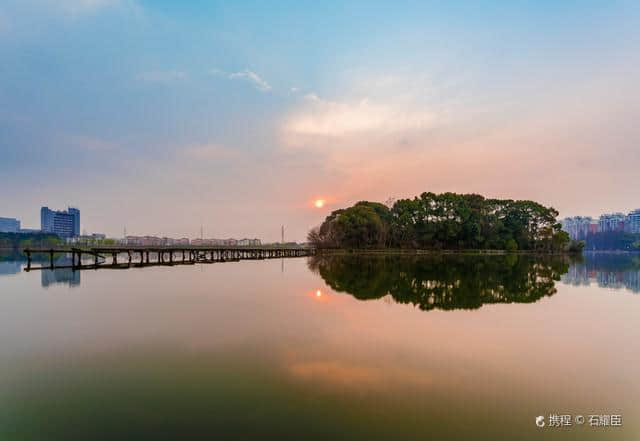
(282, 231)
(201, 232)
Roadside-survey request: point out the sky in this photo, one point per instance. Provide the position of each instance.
(163, 117)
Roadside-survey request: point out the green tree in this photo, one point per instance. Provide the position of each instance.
(364, 225)
(444, 221)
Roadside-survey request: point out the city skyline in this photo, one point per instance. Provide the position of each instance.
(580, 227)
(164, 117)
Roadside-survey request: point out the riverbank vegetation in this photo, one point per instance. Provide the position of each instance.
(446, 221)
(14, 241)
(613, 240)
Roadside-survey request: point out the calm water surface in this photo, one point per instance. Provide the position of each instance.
(362, 348)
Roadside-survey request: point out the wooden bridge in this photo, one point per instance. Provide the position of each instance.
(107, 257)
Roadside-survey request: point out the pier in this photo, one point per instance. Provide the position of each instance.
(140, 256)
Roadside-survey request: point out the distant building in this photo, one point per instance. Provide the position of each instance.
(614, 222)
(9, 225)
(634, 221)
(146, 241)
(175, 242)
(249, 242)
(63, 223)
(578, 227)
(168, 241)
(225, 242)
(87, 239)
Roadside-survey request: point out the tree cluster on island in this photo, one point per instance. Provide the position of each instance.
(447, 221)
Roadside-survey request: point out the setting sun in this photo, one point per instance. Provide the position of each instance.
(319, 203)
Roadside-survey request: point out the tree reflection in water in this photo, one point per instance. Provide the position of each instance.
(444, 282)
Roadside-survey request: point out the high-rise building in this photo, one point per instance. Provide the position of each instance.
(634, 221)
(612, 222)
(578, 227)
(63, 223)
(9, 225)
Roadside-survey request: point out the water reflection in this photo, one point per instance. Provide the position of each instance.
(8, 268)
(443, 282)
(13, 261)
(241, 351)
(10, 262)
(66, 276)
(607, 270)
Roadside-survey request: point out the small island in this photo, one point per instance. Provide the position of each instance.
(446, 221)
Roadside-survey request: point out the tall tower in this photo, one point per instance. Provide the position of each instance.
(282, 232)
(75, 216)
(46, 220)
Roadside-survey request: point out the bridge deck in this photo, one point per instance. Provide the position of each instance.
(149, 256)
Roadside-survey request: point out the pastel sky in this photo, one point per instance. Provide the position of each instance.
(163, 116)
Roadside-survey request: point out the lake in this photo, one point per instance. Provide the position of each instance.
(328, 348)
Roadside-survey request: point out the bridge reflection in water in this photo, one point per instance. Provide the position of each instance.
(443, 282)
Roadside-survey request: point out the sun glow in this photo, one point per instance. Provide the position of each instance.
(319, 203)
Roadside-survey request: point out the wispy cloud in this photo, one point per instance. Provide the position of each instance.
(320, 117)
(246, 75)
(162, 76)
